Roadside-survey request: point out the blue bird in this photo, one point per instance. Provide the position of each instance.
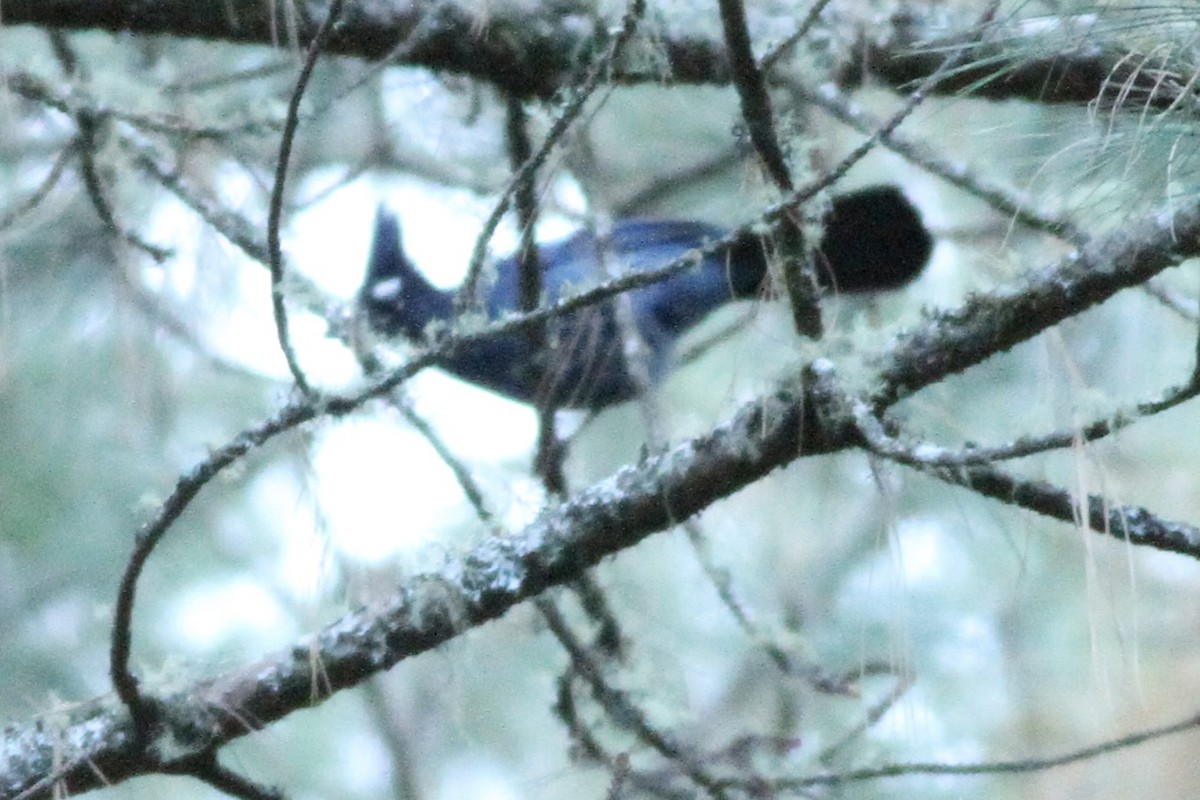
(874, 239)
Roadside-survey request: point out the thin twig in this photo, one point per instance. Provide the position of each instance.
(781, 50)
(797, 269)
(40, 192)
(210, 771)
(620, 707)
(186, 489)
(1005, 200)
(88, 144)
(787, 662)
(924, 455)
(986, 767)
(904, 682)
(467, 294)
(291, 123)
(466, 481)
(752, 91)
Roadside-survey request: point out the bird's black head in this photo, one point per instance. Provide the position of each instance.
(395, 295)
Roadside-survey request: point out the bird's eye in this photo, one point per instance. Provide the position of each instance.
(388, 289)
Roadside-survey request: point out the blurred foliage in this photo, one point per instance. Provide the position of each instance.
(1022, 637)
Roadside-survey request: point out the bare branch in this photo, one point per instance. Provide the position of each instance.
(275, 213)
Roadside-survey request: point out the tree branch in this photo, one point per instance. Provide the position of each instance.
(536, 54)
(988, 324)
(98, 743)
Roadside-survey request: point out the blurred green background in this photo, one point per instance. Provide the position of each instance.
(1021, 637)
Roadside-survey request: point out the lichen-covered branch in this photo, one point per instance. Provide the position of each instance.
(96, 743)
(534, 50)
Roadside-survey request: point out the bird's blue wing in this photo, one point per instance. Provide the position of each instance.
(583, 260)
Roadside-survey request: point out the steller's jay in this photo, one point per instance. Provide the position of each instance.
(874, 239)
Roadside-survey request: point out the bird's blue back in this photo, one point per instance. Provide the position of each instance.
(584, 363)
(583, 260)
(587, 366)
